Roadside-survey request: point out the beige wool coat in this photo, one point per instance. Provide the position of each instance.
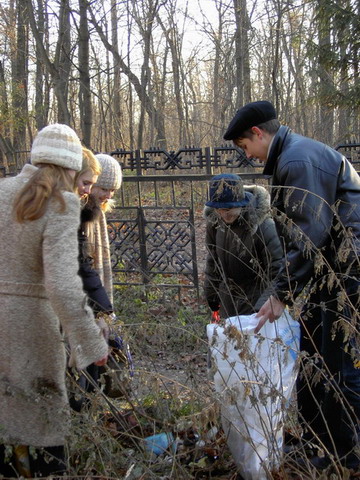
(41, 296)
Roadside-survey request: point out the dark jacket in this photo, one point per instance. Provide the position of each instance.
(316, 205)
(93, 287)
(242, 257)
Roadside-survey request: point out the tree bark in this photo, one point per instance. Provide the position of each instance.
(172, 38)
(84, 71)
(19, 83)
(156, 116)
(116, 97)
(6, 148)
(325, 75)
(41, 106)
(57, 78)
(242, 53)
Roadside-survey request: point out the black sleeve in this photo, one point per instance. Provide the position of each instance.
(305, 223)
(212, 277)
(93, 287)
(270, 255)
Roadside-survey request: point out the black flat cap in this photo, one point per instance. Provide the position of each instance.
(250, 115)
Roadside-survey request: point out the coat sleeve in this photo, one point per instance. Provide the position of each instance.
(64, 286)
(305, 223)
(212, 277)
(93, 287)
(270, 253)
(92, 284)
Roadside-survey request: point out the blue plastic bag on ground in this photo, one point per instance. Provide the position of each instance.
(254, 376)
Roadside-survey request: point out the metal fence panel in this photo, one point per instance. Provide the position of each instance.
(151, 249)
(152, 230)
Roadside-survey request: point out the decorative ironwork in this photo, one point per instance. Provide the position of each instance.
(351, 151)
(205, 159)
(124, 244)
(184, 159)
(147, 247)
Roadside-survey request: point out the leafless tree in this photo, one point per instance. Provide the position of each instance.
(85, 97)
(59, 68)
(145, 73)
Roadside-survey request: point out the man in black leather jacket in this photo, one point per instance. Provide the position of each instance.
(316, 205)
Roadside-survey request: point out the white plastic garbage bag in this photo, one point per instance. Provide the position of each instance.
(254, 376)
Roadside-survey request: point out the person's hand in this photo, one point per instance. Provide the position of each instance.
(271, 310)
(215, 316)
(102, 362)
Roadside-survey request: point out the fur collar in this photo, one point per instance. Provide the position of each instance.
(91, 211)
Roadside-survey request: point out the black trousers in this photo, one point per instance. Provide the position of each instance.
(329, 390)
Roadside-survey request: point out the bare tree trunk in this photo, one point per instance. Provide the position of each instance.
(84, 87)
(101, 120)
(345, 110)
(19, 84)
(355, 61)
(63, 56)
(116, 98)
(6, 148)
(292, 54)
(41, 107)
(325, 77)
(57, 76)
(172, 38)
(156, 116)
(145, 21)
(131, 98)
(276, 61)
(242, 53)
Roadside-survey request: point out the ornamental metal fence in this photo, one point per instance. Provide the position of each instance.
(204, 160)
(154, 237)
(155, 229)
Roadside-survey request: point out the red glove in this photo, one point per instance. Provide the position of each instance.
(215, 316)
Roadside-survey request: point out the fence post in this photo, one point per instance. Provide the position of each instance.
(208, 155)
(142, 244)
(193, 251)
(138, 162)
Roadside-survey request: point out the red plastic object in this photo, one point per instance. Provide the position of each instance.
(215, 317)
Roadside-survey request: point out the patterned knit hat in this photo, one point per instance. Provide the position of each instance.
(111, 174)
(59, 145)
(227, 191)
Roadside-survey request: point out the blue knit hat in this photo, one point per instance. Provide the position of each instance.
(227, 191)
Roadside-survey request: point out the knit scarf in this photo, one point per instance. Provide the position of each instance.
(103, 255)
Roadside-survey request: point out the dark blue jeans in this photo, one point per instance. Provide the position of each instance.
(329, 382)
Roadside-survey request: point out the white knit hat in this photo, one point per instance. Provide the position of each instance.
(110, 177)
(59, 145)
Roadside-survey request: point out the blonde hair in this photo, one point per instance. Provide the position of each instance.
(48, 182)
(108, 206)
(89, 162)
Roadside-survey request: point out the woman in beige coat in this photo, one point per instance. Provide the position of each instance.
(42, 303)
